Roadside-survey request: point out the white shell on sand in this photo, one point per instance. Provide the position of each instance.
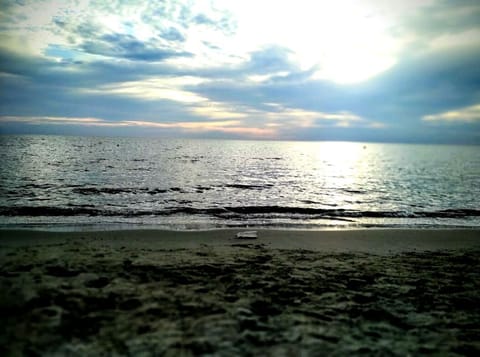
(247, 235)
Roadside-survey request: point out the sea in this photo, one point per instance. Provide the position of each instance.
(96, 183)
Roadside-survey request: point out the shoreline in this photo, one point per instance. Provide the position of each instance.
(376, 241)
(106, 226)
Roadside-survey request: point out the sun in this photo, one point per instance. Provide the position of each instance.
(343, 41)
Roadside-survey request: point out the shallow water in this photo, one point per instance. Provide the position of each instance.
(59, 181)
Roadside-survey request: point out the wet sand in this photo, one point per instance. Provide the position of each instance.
(372, 292)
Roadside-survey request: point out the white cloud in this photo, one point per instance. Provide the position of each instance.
(344, 46)
(256, 67)
(279, 116)
(260, 78)
(30, 27)
(467, 115)
(220, 117)
(345, 41)
(39, 120)
(465, 39)
(217, 110)
(172, 88)
(311, 116)
(169, 88)
(233, 127)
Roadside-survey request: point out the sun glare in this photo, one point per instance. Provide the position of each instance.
(343, 41)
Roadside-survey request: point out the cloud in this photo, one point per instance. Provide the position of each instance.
(172, 34)
(217, 110)
(307, 118)
(270, 59)
(281, 120)
(38, 120)
(152, 89)
(463, 115)
(444, 17)
(134, 30)
(202, 19)
(128, 42)
(128, 47)
(179, 66)
(233, 127)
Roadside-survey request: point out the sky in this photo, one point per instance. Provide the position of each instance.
(364, 70)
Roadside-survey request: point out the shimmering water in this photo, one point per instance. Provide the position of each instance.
(57, 181)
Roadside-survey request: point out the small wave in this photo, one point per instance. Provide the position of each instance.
(35, 186)
(187, 158)
(234, 212)
(248, 187)
(115, 191)
(49, 211)
(357, 192)
(88, 210)
(309, 202)
(450, 213)
(140, 169)
(93, 191)
(201, 189)
(97, 161)
(306, 211)
(106, 190)
(155, 191)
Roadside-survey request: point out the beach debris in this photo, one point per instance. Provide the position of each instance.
(246, 235)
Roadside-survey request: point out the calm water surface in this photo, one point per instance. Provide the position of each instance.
(57, 181)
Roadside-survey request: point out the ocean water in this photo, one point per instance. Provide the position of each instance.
(60, 182)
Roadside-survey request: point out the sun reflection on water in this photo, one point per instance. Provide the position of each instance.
(337, 169)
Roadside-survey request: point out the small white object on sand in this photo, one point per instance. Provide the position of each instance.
(247, 235)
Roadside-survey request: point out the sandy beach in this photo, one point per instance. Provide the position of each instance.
(287, 293)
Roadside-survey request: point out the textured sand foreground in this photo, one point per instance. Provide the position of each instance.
(372, 292)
